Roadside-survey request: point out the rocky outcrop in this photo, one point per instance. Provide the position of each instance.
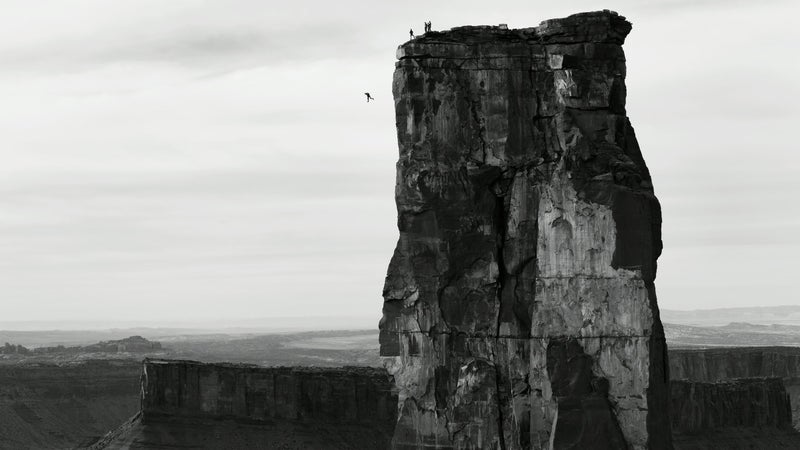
(136, 344)
(722, 364)
(176, 389)
(738, 414)
(65, 406)
(739, 438)
(519, 306)
(188, 404)
(753, 402)
(132, 344)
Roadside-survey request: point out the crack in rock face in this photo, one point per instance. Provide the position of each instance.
(519, 306)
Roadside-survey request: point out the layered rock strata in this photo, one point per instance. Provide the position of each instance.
(65, 406)
(519, 306)
(751, 413)
(359, 395)
(187, 404)
(719, 364)
(723, 364)
(750, 402)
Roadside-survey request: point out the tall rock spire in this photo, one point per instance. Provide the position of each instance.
(519, 307)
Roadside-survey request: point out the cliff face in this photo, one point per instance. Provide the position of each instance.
(519, 306)
(721, 364)
(187, 404)
(361, 395)
(65, 406)
(760, 402)
(732, 415)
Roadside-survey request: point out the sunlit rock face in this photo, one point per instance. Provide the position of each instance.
(519, 306)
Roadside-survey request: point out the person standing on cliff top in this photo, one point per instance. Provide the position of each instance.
(411, 32)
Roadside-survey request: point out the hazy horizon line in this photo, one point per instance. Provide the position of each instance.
(275, 323)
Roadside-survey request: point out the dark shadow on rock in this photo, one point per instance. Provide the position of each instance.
(585, 416)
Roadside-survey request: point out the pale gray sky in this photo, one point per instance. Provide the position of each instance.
(204, 160)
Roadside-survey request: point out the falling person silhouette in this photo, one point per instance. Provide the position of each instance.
(369, 97)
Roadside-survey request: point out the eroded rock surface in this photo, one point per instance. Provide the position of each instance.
(736, 414)
(188, 404)
(750, 402)
(361, 395)
(44, 406)
(519, 306)
(725, 364)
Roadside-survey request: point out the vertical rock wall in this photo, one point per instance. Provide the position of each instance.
(189, 389)
(726, 363)
(519, 306)
(723, 364)
(752, 402)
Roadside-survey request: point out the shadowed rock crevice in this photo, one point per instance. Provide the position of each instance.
(528, 230)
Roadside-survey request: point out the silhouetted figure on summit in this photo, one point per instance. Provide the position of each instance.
(427, 27)
(411, 32)
(369, 97)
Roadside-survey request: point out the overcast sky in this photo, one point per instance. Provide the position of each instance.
(204, 160)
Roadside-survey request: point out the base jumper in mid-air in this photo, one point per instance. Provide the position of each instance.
(369, 97)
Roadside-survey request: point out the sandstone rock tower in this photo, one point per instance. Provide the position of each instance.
(520, 310)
